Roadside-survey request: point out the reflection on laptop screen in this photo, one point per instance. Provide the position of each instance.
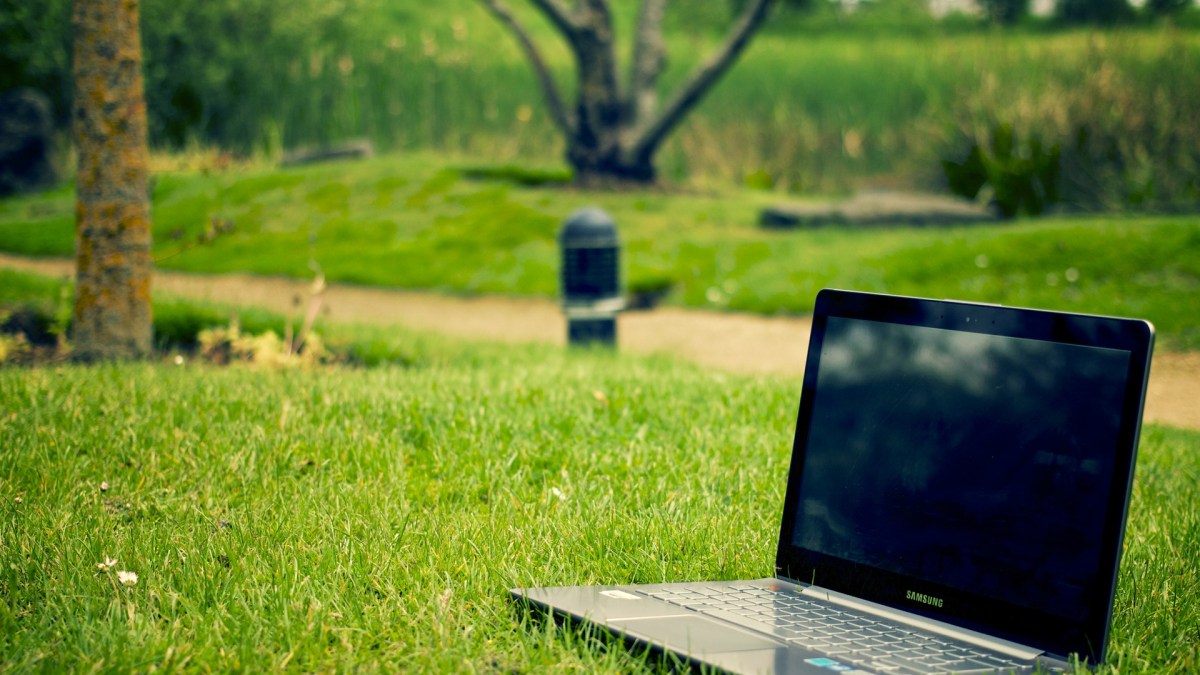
(977, 461)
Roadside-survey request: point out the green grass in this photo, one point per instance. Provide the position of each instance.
(414, 221)
(347, 519)
(19, 287)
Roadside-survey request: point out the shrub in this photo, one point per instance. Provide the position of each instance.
(1094, 11)
(1023, 176)
(226, 345)
(1005, 11)
(1166, 7)
(1124, 138)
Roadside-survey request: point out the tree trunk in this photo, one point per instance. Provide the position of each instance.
(112, 210)
(595, 144)
(613, 135)
(608, 170)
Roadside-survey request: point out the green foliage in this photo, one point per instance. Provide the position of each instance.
(218, 71)
(215, 71)
(1168, 7)
(35, 312)
(1005, 11)
(178, 323)
(1023, 175)
(759, 180)
(1124, 132)
(1094, 11)
(35, 50)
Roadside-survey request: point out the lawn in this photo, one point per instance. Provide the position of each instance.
(372, 518)
(418, 221)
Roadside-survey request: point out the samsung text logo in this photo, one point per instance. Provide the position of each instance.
(923, 599)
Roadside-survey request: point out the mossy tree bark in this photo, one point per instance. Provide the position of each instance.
(614, 131)
(112, 317)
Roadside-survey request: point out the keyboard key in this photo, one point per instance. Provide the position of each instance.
(907, 665)
(888, 667)
(810, 643)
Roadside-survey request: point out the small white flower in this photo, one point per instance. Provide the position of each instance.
(104, 486)
(107, 565)
(127, 578)
(179, 359)
(17, 500)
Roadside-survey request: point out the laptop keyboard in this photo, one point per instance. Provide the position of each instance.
(852, 638)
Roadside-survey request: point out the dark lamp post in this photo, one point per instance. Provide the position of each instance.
(590, 276)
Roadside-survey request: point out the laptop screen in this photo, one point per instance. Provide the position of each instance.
(971, 473)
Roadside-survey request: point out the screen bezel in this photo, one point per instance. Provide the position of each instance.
(1056, 635)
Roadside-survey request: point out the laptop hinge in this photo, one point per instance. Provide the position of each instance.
(942, 628)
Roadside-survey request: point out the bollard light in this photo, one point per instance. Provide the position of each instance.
(590, 275)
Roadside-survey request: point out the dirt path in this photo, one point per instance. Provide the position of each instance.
(740, 343)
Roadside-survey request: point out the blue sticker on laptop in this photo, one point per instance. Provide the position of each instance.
(830, 664)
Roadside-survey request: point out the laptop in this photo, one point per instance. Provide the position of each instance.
(956, 502)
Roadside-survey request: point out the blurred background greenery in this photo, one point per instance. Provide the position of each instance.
(824, 101)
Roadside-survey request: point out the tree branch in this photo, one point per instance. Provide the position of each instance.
(558, 14)
(649, 59)
(558, 112)
(701, 80)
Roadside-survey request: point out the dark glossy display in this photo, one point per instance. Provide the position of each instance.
(972, 463)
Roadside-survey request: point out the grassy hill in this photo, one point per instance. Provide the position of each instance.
(418, 221)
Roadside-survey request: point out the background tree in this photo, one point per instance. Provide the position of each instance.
(614, 130)
(1167, 7)
(35, 50)
(1005, 12)
(1094, 11)
(112, 210)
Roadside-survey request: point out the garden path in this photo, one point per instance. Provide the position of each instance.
(734, 342)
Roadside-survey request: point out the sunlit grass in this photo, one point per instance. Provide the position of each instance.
(374, 519)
